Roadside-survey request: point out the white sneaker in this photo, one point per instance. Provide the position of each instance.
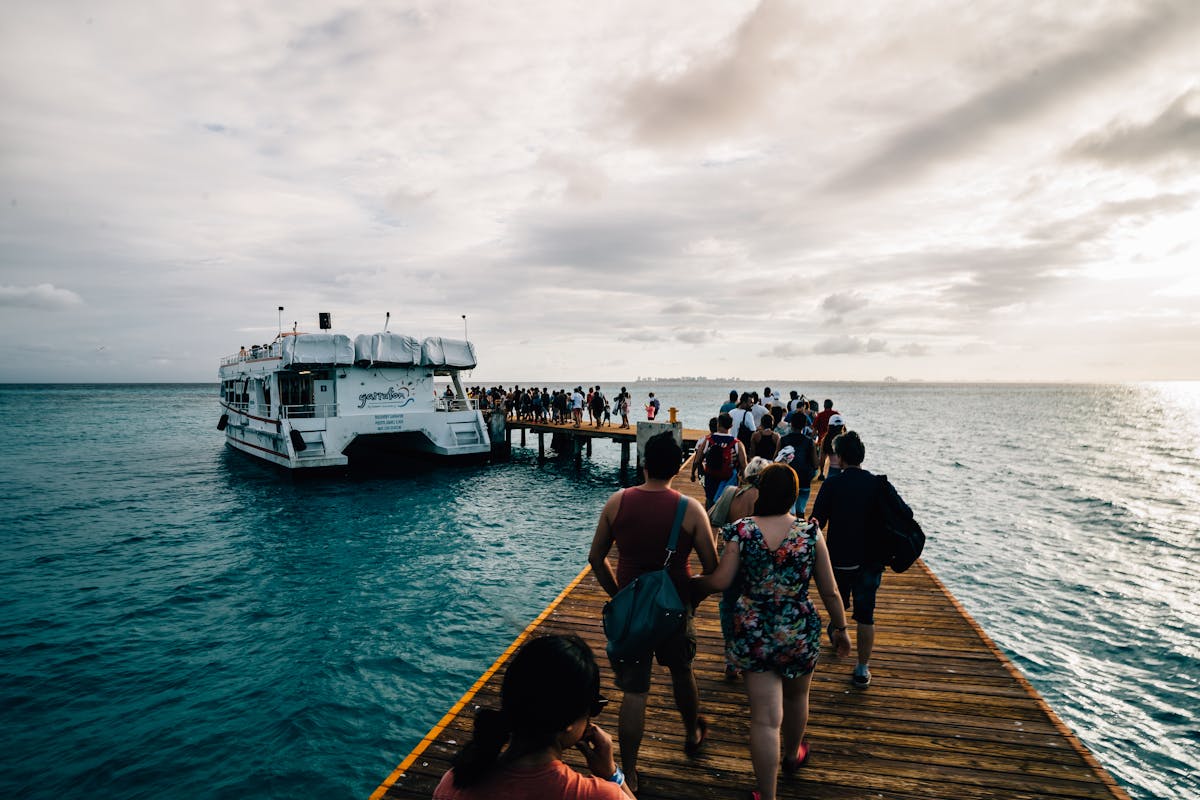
(861, 677)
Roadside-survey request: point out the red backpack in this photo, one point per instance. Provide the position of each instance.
(719, 458)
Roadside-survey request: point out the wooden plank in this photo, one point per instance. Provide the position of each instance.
(947, 715)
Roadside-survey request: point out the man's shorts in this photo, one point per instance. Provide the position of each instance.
(678, 651)
(861, 583)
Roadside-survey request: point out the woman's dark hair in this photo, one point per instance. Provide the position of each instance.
(550, 682)
(712, 425)
(850, 449)
(777, 490)
(768, 422)
(663, 456)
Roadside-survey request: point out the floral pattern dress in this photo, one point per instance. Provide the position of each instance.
(775, 626)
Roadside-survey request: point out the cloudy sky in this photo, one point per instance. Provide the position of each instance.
(926, 190)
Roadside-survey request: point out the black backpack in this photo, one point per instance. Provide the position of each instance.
(900, 540)
(744, 432)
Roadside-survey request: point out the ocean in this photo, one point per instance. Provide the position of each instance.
(178, 619)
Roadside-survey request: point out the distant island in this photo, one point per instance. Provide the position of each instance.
(686, 379)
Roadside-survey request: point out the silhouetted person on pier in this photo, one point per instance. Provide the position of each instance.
(821, 426)
(720, 458)
(550, 692)
(639, 521)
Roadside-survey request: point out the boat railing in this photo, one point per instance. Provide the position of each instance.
(310, 410)
(455, 404)
(274, 350)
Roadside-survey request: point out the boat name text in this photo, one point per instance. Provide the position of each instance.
(392, 397)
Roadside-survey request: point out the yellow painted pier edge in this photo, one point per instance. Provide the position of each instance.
(437, 729)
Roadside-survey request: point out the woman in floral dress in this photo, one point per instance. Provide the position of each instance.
(776, 629)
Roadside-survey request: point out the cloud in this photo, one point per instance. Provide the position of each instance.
(839, 345)
(709, 99)
(946, 136)
(44, 296)
(1175, 132)
(694, 336)
(1083, 228)
(683, 307)
(912, 349)
(845, 344)
(618, 243)
(841, 302)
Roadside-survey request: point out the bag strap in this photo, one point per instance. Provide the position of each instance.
(680, 510)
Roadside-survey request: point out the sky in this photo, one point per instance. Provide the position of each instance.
(939, 191)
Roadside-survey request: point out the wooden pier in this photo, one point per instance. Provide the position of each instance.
(947, 715)
(580, 438)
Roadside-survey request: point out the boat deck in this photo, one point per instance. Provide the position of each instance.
(947, 715)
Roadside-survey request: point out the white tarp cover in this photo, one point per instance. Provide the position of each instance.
(439, 352)
(313, 349)
(387, 349)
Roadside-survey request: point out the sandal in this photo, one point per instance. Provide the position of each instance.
(693, 748)
(790, 765)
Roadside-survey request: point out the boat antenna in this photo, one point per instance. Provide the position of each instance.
(386, 320)
(280, 331)
(465, 337)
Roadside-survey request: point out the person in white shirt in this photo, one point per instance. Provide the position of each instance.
(758, 410)
(577, 406)
(744, 424)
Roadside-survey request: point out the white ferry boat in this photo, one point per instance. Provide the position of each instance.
(324, 400)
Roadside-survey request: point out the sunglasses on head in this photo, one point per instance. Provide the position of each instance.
(597, 706)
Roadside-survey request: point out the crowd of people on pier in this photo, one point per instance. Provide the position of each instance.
(756, 548)
(578, 406)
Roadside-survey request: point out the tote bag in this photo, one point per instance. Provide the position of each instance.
(648, 611)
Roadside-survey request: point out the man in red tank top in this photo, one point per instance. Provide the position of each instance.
(639, 520)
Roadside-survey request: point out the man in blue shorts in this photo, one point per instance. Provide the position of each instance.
(847, 503)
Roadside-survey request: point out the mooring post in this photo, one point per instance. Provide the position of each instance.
(498, 433)
(577, 450)
(589, 446)
(624, 455)
(541, 445)
(522, 436)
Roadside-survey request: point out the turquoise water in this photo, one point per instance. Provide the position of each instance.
(177, 619)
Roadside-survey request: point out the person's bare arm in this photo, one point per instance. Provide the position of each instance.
(602, 542)
(830, 598)
(703, 540)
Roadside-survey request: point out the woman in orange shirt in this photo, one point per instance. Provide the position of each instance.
(547, 699)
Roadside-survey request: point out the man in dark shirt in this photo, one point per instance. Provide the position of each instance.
(848, 504)
(802, 460)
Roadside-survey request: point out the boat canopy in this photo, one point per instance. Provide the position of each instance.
(318, 349)
(386, 350)
(453, 353)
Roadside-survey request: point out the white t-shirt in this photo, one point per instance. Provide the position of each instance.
(759, 411)
(737, 415)
(577, 400)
